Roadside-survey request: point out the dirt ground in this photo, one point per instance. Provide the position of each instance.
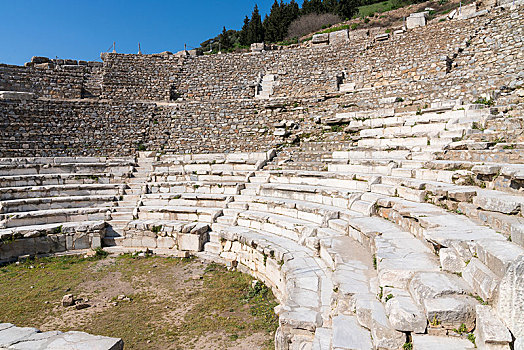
(153, 302)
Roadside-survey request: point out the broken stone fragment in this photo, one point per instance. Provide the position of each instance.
(68, 300)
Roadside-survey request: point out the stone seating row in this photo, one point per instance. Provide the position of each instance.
(483, 238)
(52, 205)
(328, 215)
(267, 221)
(480, 204)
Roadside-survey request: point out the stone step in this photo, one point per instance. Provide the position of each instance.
(23, 192)
(44, 203)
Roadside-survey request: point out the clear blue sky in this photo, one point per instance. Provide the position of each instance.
(82, 29)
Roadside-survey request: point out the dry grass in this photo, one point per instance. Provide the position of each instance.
(175, 303)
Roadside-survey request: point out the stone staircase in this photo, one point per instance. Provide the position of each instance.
(264, 88)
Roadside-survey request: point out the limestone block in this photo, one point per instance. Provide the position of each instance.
(371, 314)
(258, 47)
(416, 20)
(490, 332)
(339, 37)
(404, 315)
(450, 260)
(498, 255)
(451, 312)
(382, 37)
(483, 281)
(12, 335)
(509, 304)
(16, 95)
(165, 242)
(498, 202)
(432, 342)
(190, 242)
(320, 38)
(429, 285)
(347, 334)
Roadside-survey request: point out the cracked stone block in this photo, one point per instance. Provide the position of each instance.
(490, 332)
(452, 311)
(509, 304)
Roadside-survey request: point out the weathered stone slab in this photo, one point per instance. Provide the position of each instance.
(428, 285)
(490, 332)
(416, 20)
(404, 315)
(320, 38)
(509, 304)
(431, 342)
(347, 334)
(452, 311)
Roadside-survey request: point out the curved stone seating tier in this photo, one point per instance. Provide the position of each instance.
(8, 193)
(184, 213)
(43, 203)
(56, 179)
(43, 239)
(205, 200)
(298, 278)
(214, 162)
(482, 205)
(123, 168)
(213, 176)
(194, 187)
(49, 216)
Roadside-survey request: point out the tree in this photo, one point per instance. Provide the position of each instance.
(347, 8)
(330, 6)
(255, 32)
(243, 32)
(225, 41)
(272, 23)
(312, 6)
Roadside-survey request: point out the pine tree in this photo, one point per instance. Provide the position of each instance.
(225, 41)
(330, 6)
(272, 23)
(312, 6)
(244, 31)
(255, 33)
(347, 8)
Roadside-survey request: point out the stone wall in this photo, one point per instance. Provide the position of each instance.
(208, 104)
(61, 127)
(139, 77)
(56, 81)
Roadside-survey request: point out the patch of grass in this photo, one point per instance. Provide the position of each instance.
(379, 7)
(222, 306)
(484, 101)
(334, 29)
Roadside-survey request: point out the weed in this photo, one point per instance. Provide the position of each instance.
(462, 329)
(484, 101)
(471, 338)
(156, 229)
(407, 346)
(57, 230)
(100, 253)
(389, 296)
(375, 261)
